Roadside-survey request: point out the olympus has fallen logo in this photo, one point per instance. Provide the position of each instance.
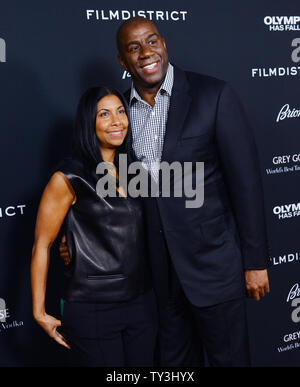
(2, 50)
(287, 211)
(281, 71)
(5, 318)
(124, 14)
(282, 23)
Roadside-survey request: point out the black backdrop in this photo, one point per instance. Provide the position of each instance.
(51, 51)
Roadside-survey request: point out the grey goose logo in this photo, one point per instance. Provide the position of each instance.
(3, 311)
(5, 316)
(2, 50)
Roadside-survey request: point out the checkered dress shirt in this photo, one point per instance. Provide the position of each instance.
(149, 123)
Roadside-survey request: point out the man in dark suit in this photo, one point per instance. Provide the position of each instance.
(205, 259)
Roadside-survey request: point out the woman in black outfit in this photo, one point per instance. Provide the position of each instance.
(109, 313)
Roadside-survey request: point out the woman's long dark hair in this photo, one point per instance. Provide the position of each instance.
(86, 145)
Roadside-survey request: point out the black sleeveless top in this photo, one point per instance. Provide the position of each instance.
(106, 242)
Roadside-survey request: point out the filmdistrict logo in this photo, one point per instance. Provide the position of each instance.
(167, 180)
(282, 71)
(285, 258)
(109, 15)
(10, 211)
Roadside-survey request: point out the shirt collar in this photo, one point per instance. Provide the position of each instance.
(166, 86)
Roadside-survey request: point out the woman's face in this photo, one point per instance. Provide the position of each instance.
(111, 121)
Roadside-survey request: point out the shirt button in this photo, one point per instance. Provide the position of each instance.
(155, 137)
(153, 114)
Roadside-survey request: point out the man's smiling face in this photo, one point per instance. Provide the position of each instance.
(143, 53)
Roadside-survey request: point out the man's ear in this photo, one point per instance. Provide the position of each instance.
(164, 43)
(121, 61)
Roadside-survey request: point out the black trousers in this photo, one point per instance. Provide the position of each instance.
(111, 334)
(186, 331)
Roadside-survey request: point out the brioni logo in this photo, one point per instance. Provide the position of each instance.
(287, 112)
(293, 296)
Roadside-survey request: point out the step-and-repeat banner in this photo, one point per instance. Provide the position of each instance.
(51, 51)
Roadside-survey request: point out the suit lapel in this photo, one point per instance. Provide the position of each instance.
(127, 99)
(179, 107)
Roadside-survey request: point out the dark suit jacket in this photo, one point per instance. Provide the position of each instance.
(211, 246)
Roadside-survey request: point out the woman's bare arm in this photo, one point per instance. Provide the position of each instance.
(56, 200)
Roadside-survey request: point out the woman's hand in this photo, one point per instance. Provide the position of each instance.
(63, 250)
(50, 325)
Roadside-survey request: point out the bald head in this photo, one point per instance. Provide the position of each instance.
(132, 22)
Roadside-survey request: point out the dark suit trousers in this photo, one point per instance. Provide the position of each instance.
(186, 331)
(111, 334)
